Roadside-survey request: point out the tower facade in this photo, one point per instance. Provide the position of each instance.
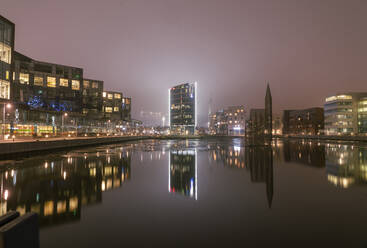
(268, 113)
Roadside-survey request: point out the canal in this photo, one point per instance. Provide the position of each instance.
(194, 193)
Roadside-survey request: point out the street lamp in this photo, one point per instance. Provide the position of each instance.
(7, 105)
(62, 122)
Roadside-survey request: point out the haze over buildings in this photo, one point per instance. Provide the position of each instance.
(303, 48)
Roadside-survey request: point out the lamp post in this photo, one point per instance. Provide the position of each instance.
(5, 105)
(62, 122)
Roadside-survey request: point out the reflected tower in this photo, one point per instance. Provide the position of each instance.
(268, 113)
(182, 175)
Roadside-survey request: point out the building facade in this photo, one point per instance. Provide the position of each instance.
(346, 113)
(183, 108)
(305, 121)
(229, 121)
(40, 98)
(6, 57)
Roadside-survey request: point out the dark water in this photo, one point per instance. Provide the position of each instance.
(194, 194)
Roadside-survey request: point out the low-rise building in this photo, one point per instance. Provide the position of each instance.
(346, 113)
(304, 121)
(229, 121)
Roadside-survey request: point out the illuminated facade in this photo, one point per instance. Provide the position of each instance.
(183, 172)
(306, 121)
(6, 57)
(49, 99)
(229, 121)
(112, 105)
(183, 108)
(346, 113)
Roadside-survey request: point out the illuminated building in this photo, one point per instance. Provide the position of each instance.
(43, 94)
(7, 30)
(182, 172)
(306, 121)
(112, 105)
(346, 113)
(182, 104)
(229, 121)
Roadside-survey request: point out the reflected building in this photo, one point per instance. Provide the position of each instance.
(258, 160)
(183, 172)
(260, 164)
(346, 165)
(56, 189)
(306, 153)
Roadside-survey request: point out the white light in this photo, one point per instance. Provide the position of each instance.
(196, 104)
(169, 107)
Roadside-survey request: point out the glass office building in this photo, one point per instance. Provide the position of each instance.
(183, 108)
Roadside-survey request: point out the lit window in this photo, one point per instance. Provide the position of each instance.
(7, 75)
(51, 82)
(24, 78)
(104, 94)
(117, 96)
(110, 96)
(4, 89)
(123, 100)
(86, 84)
(64, 82)
(108, 109)
(116, 109)
(95, 85)
(127, 101)
(48, 208)
(75, 84)
(38, 81)
(5, 53)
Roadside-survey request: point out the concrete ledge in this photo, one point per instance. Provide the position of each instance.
(20, 232)
(11, 148)
(9, 216)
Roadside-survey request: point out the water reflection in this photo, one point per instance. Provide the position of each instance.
(306, 153)
(57, 188)
(258, 160)
(182, 175)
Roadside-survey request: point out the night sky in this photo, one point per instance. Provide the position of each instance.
(306, 49)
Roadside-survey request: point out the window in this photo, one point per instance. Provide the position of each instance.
(117, 96)
(38, 81)
(86, 84)
(95, 85)
(110, 96)
(51, 82)
(127, 101)
(7, 75)
(64, 82)
(108, 109)
(104, 94)
(4, 89)
(116, 109)
(5, 53)
(24, 78)
(75, 84)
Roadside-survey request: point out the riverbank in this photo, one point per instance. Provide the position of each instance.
(26, 147)
(324, 137)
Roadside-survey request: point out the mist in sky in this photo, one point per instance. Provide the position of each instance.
(306, 49)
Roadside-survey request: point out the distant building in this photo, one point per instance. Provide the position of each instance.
(256, 122)
(229, 121)
(268, 113)
(182, 108)
(305, 121)
(126, 109)
(346, 113)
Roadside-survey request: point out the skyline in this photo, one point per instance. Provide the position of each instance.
(310, 49)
